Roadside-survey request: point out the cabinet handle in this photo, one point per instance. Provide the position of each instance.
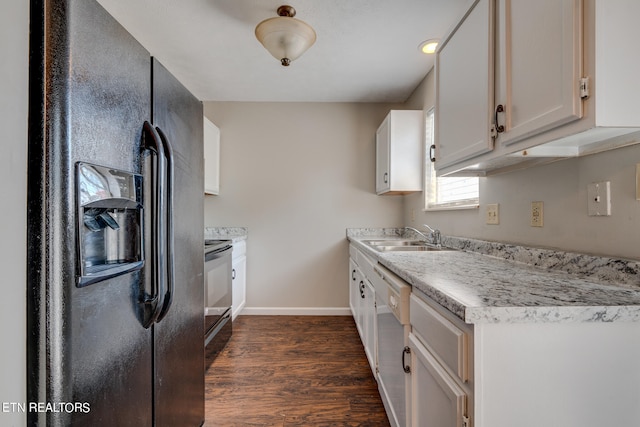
(233, 274)
(432, 153)
(353, 275)
(386, 178)
(361, 289)
(499, 109)
(407, 368)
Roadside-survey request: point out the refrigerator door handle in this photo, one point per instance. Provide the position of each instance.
(169, 242)
(153, 143)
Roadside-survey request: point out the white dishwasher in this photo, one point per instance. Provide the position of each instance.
(392, 305)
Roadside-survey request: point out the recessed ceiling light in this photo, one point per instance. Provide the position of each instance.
(428, 46)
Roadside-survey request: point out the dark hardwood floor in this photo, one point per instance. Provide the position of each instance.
(292, 371)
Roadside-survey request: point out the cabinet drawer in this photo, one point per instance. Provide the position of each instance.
(446, 340)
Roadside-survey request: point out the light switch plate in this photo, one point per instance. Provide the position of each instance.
(493, 214)
(537, 214)
(599, 199)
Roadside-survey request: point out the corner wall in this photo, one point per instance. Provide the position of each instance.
(14, 80)
(297, 175)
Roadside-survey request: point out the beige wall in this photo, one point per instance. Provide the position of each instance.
(562, 187)
(14, 19)
(297, 175)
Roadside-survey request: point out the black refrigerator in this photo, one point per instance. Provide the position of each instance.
(115, 228)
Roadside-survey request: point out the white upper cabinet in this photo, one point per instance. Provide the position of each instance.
(560, 83)
(383, 145)
(537, 98)
(399, 152)
(211, 157)
(464, 81)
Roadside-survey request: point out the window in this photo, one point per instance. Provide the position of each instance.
(446, 192)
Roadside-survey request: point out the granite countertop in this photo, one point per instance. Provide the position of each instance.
(486, 282)
(235, 234)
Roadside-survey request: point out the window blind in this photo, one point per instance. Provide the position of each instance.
(446, 192)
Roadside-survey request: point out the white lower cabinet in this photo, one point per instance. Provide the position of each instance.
(437, 400)
(354, 294)
(362, 301)
(379, 303)
(239, 278)
(441, 363)
(570, 373)
(369, 324)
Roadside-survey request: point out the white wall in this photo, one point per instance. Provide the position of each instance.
(297, 175)
(14, 34)
(562, 187)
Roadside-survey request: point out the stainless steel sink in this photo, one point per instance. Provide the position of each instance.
(407, 248)
(402, 245)
(396, 242)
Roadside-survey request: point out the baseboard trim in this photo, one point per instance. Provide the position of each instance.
(296, 311)
(237, 311)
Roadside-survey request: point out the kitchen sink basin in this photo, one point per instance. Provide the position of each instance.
(402, 245)
(396, 242)
(396, 248)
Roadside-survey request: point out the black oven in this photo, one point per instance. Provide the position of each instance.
(217, 297)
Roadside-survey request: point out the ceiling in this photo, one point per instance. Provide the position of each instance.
(366, 50)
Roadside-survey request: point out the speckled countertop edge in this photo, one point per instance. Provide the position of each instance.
(488, 282)
(235, 234)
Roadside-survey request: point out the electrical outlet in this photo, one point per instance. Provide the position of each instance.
(537, 214)
(493, 214)
(599, 199)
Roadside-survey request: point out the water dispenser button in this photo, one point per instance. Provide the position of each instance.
(109, 220)
(91, 223)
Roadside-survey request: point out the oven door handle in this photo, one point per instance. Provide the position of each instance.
(168, 226)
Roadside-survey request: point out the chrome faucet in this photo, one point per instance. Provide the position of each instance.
(434, 237)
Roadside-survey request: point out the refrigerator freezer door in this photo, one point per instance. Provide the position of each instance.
(90, 95)
(178, 336)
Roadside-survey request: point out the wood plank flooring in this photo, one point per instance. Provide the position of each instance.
(292, 371)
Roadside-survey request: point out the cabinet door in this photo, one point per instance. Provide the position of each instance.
(211, 158)
(369, 324)
(464, 88)
(436, 399)
(354, 294)
(539, 66)
(383, 157)
(360, 305)
(239, 283)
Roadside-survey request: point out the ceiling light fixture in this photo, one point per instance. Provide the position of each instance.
(428, 46)
(285, 37)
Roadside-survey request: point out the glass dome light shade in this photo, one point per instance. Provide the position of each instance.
(285, 38)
